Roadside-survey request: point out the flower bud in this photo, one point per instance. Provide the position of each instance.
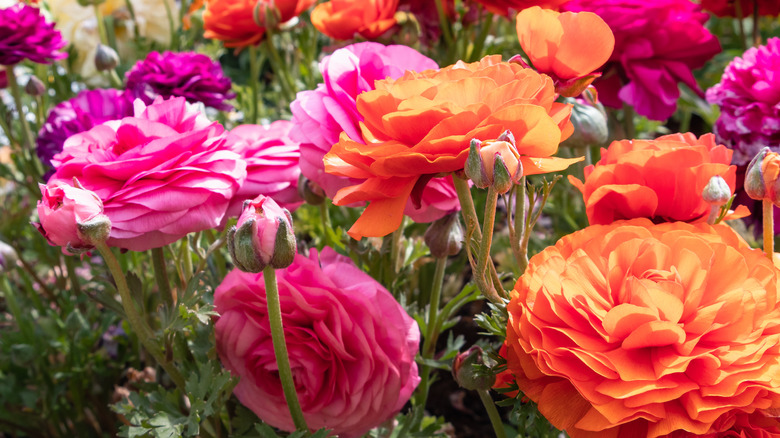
(7, 257)
(467, 374)
(266, 14)
(262, 237)
(310, 191)
(590, 125)
(717, 191)
(762, 178)
(34, 87)
(494, 163)
(72, 217)
(444, 236)
(106, 58)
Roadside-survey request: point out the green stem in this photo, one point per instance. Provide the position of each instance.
(628, 121)
(102, 32)
(280, 71)
(740, 18)
(488, 222)
(769, 229)
(254, 73)
(467, 209)
(27, 136)
(135, 319)
(280, 348)
(495, 418)
(444, 23)
(479, 44)
(186, 258)
(431, 332)
(161, 276)
(756, 25)
(171, 27)
(75, 284)
(518, 248)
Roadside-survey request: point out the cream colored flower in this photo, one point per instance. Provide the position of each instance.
(79, 26)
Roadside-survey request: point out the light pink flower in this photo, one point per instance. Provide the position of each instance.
(163, 173)
(321, 115)
(351, 345)
(657, 43)
(272, 165)
(63, 210)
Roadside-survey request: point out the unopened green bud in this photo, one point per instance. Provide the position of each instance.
(590, 126)
(475, 169)
(310, 191)
(754, 178)
(262, 237)
(468, 374)
(444, 236)
(35, 87)
(502, 180)
(717, 191)
(106, 58)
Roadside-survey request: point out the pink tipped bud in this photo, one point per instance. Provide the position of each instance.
(467, 373)
(262, 237)
(72, 217)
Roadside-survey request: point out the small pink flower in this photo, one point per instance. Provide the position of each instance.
(163, 173)
(263, 236)
(321, 115)
(351, 345)
(272, 165)
(71, 217)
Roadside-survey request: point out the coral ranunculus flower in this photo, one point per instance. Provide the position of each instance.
(640, 330)
(235, 22)
(659, 179)
(342, 19)
(507, 7)
(567, 46)
(420, 125)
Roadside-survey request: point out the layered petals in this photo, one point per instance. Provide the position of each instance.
(644, 330)
(420, 125)
(659, 179)
(344, 19)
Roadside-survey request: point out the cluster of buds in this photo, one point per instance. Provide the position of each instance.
(262, 237)
(494, 163)
(72, 217)
(762, 178)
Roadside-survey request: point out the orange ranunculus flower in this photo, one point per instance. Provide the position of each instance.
(420, 125)
(660, 179)
(508, 7)
(568, 46)
(236, 22)
(342, 19)
(637, 329)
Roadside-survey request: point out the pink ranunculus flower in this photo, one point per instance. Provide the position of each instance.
(657, 44)
(71, 217)
(272, 165)
(321, 115)
(351, 345)
(163, 173)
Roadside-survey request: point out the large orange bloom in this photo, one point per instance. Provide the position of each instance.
(661, 179)
(420, 126)
(567, 46)
(234, 21)
(639, 330)
(342, 19)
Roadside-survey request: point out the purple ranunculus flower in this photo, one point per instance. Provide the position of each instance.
(190, 75)
(749, 98)
(321, 115)
(79, 114)
(25, 34)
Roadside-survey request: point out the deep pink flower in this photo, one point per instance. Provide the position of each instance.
(191, 75)
(25, 34)
(749, 98)
(321, 115)
(66, 213)
(657, 44)
(272, 164)
(163, 173)
(351, 345)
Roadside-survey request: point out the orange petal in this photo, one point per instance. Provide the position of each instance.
(540, 34)
(383, 216)
(586, 45)
(535, 166)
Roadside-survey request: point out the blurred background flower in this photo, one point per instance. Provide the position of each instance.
(345, 19)
(191, 75)
(241, 23)
(728, 8)
(25, 34)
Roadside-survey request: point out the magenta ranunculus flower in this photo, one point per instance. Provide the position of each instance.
(657, 44)
(191, 75)
(163, 173)
(321, 115)
(351, 345)
(749, 98)
(272, 164)
(25, 34)
(89, 108)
